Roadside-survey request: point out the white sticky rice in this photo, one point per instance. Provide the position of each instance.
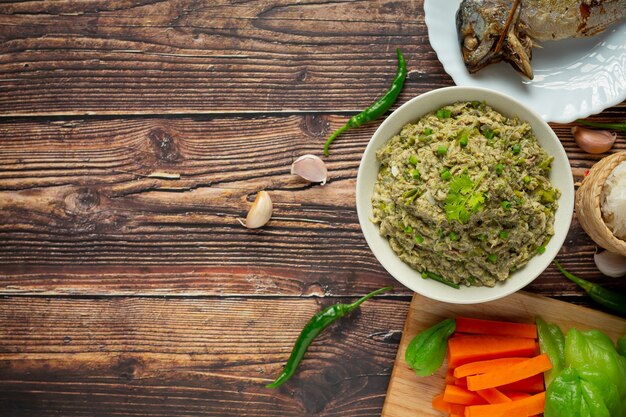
(613, 201)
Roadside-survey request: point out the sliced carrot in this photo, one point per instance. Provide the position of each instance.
(493, 396)
(519, 371)
(450, 378)
(459, 395)
(461, 382)
(465, 349)
(531, 385)
(446, 407)
(480, 367)
(496, 328)
(516, 395)
(530, 406)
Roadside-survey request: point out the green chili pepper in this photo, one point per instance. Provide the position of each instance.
(426, 351)
(439, 278)
(614, 126)
(552, 343)
(443, 113)
(315, 326)
(612, 300)
(377, 109)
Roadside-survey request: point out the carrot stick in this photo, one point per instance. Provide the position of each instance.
(531, 385)
(446, 407)
(461, 382)
(520, 408)
(480, 367)
(460, 395)
(465, 349)
(522, 370)
(450, 378)
(515, 395)
(496, 328)
(493, 396)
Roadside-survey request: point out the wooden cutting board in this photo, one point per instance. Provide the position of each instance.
(409, 395)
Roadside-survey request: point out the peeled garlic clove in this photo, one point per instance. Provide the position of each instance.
(260, 212)
(593, 141)
(311, 168)
(610, 264)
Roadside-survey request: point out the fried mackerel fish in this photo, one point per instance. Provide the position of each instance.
(464, 193)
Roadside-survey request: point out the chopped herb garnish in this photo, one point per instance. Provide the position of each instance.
(442, 150)
(446, 175)
(504, 234)
(516, 148)
(493, 258)
(488, 133)
(453, 236)
(499, 169)
(408, 229)
(413, 160)
(415, 174)
(506, 204)
(463, 200)
(428, 131)
(419, 239)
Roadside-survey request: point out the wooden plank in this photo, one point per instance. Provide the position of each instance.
(182, 56)
(81, 217)
(190, 357)
(409, 395)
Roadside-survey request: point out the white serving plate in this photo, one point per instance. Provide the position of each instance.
(574, 78)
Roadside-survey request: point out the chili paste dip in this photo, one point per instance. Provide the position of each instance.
(464, 194)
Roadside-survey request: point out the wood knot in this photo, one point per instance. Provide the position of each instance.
(314, 126)
(164, 145)
(86, 199)
(301, 76)
(130, 367)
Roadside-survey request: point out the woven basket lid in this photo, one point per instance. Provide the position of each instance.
(588, 204)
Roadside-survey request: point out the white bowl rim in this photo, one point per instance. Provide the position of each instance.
(511, 285)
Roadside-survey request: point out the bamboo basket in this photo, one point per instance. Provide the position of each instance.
(588, 204)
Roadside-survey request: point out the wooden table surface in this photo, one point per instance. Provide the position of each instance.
(125, 295)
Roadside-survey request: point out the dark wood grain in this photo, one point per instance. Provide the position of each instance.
(80, 217)
(126, 295)
(190, 357)
(149, 56)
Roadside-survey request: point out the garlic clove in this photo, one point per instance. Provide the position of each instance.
(311, 168)
(593, 141)
(610, 264)
(260, 212)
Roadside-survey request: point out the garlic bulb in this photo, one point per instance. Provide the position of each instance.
(260, 212)
(311, 168)
(610, 264)
(593, 141)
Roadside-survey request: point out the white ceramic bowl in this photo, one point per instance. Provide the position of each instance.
(414, 109)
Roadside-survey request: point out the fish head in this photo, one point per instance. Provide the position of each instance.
(480, 26)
